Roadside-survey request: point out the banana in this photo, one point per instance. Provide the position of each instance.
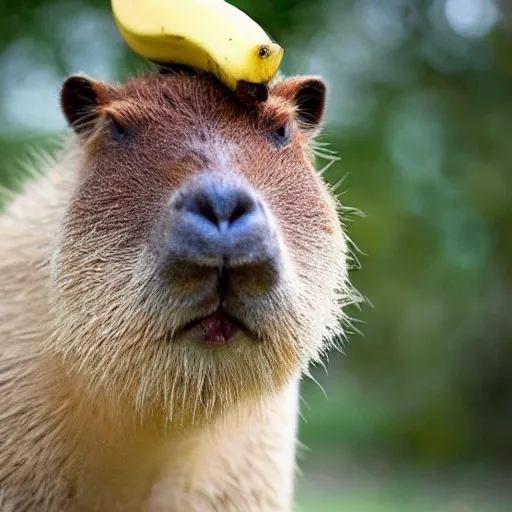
(210, 35)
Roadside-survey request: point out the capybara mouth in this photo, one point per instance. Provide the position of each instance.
(218, 328)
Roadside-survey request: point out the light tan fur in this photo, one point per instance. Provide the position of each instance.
(100, 410)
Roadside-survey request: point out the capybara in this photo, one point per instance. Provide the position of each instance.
(165, 284)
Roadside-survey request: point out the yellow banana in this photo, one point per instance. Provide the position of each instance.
(210, 35)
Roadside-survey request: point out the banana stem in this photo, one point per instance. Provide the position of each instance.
(247, 92)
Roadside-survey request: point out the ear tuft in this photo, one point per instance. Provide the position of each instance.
(80, 98)
(308, 94)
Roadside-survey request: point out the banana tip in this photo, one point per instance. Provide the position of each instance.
(270, 50)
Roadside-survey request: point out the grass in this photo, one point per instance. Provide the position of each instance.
(371, 501)
(352, 489)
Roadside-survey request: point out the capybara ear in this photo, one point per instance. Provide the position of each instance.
(308, 93)
(80, 98)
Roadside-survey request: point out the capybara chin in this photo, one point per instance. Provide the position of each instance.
(164, 286)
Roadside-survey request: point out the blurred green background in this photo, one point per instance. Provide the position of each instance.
(418, 414)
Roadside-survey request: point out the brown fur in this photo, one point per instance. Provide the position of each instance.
(101, 406)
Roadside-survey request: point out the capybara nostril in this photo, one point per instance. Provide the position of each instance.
(218, 220)
(219, 201)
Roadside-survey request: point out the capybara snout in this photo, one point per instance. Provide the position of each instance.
(218, 220)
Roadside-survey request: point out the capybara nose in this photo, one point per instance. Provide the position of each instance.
(220, 221)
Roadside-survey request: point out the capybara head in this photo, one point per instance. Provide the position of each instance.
(201, 262)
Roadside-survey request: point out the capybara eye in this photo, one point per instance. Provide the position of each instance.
(282, 135)
(117, 130)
